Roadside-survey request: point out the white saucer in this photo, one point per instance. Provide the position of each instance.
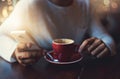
(56, 61)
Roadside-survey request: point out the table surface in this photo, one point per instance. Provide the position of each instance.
(108, 68)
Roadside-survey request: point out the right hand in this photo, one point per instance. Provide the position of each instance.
(25, 54)
(95, 47)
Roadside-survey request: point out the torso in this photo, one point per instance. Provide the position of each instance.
(60, 22)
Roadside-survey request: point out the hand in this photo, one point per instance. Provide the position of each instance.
(25, 54)
(95, 47)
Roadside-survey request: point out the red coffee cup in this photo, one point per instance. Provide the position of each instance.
(63, 49)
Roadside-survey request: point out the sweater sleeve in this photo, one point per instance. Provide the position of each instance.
(15, 21)
(7, 47)
(98, 31)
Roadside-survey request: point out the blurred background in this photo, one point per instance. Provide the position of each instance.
(106, 10)
(6, 7)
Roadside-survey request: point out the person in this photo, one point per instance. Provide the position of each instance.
(46, 20)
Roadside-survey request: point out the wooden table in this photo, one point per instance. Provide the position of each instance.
(100, 69)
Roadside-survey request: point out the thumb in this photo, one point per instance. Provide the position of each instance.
(86, 44)
(29, 45)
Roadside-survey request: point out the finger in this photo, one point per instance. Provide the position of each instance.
(95, 44)
(41, 53)
(24, 46)
(34, 54)
(85, 44)
(103, 53)
(29, 61)
(98, 49)
(26, 55)
(33, 57)
(21, 47)
(29, 45)
(21, 56)
(18, 60)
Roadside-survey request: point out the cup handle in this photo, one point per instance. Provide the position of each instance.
(77, 46)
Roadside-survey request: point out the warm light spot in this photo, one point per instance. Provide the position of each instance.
(3, 0)
(114, 5)
(6, 9)
(2, 19)
(106, 2)
(9, 2)
(5, 12)
(10, 8)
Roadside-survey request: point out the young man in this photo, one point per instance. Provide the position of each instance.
(46, 20)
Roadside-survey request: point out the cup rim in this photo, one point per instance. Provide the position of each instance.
(70, 41)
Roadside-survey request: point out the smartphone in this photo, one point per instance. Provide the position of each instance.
(23, 36)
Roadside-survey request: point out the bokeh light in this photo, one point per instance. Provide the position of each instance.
(6, 7)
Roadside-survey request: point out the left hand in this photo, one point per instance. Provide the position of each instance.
(26, 55)
(95, 47)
